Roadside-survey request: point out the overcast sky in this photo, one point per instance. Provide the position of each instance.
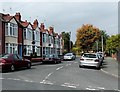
(67, 16)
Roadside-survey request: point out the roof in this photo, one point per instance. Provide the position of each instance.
(7, 17)
(24, 23)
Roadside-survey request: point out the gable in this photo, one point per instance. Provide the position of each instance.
(13, 21)
(29, 26)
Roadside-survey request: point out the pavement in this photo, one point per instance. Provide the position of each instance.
(111, 66)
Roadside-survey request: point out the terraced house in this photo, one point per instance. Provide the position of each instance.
(24, 38)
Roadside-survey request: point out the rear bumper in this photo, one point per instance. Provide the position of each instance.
(95, 64)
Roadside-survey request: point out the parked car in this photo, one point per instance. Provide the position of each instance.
(69, 56)
(51, 59)
(90, 59)
(13, 61)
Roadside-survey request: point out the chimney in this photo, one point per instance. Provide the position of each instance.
(35, 22)
(42, 26)
(18, 16)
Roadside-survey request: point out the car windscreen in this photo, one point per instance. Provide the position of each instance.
(68, 54)
(89, 55)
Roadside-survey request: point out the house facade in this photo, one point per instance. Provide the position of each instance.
(24, 38)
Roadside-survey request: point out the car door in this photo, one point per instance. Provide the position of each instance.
(22, 61)
(16, 60)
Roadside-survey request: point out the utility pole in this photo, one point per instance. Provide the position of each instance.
(97, 46)
(70, 41)
(102, 42)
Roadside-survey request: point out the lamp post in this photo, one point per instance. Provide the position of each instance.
(97, 46)
(102, 42)
(70, 41)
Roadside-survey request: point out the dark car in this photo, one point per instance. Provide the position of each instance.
(51, 59)
(13, 61)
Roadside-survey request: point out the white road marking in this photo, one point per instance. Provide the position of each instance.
(75, 62)
(70, 85)
(2, 78)
(90, 89)
(47, 82)
(16, 79)
(10, 78)
(7, 73)
(48, 75)
(27, 80)
(59, 68)
(100, 87)
(110, 73)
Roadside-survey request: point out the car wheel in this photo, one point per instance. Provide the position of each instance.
(55, 62)
(12, 68)
(98, 68)
(28, 65)
(80, 66)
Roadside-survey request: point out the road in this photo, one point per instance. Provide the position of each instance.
(64, 76)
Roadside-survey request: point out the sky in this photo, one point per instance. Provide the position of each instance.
(66, 15)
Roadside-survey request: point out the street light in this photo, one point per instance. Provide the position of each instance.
(70, 40)
(96, 45)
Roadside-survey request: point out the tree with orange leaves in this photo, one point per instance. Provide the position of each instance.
(86, 37)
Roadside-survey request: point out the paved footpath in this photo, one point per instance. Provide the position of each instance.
(111, 66)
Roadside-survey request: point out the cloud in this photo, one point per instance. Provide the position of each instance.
(69, 16)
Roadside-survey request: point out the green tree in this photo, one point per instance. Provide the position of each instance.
(103, 35)
(86, 37)
(66, 40)
(113, 43)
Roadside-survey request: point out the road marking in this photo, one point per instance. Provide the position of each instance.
(70, 85)
(59, 68)
(16, 79)
(47, 82)
(90, 89)
(101, 88)
(110, 73)
(75, 62)
(2, 78)
(48, 75)
(10, 78)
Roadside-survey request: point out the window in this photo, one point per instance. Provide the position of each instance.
(44, 37)
(13, 30)
(10, 48)
(25, 34)
(6, 29)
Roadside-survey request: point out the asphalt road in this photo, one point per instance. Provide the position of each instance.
(64, 76)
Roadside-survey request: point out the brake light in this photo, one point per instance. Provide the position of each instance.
(3, 62)
(96, 60)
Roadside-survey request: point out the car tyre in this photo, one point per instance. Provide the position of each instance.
(80, 66)
(12, 68)
(28, 65)
(98, 68)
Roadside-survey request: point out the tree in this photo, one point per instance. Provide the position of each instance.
(113, 43)
(67, 42)
(86, 37)
(105, 37)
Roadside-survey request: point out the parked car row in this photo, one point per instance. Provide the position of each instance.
(13, 61)
(91, 59)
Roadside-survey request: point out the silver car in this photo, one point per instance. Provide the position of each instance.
(90, 59)
(69, 56)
